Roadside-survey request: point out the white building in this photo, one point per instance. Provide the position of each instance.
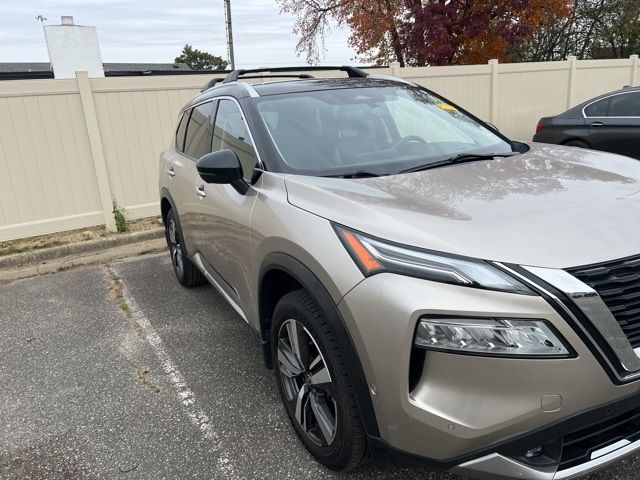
(72, 48)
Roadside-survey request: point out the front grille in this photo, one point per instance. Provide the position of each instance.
(618, 283)
(578, 446)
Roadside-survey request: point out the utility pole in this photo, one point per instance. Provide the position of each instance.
(227, 17)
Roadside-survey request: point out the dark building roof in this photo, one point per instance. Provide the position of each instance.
(25, 67)
(135, 67)
(19, 67)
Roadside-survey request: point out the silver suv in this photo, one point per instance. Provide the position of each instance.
(426, 290)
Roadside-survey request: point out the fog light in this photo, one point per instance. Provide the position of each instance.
(533, 453)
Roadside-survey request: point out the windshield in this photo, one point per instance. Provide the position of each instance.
(383, 130)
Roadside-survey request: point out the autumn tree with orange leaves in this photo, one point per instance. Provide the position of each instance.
(423, 32)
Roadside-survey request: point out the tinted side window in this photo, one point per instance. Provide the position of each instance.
(598, 109)
(231, 132)
(625, 105)
(182, 128)
(198, 139)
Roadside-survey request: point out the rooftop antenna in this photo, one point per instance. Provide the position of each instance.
(227, 18)
(41, 19)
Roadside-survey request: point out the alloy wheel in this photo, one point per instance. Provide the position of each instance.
(175, 248)
(307, 383)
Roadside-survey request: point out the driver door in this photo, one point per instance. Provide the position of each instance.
(224, 213)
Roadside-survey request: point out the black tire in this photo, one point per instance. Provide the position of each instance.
(186, 272)
(347, 448)
(577, 143)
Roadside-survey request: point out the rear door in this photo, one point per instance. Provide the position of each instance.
(614, 124)
(197, 142)
(224, 214)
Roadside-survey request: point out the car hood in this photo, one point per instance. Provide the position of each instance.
(550, 207)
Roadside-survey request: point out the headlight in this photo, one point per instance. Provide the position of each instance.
(375, 256)
(481, 336)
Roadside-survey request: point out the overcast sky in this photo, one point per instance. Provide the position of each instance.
(156, 30)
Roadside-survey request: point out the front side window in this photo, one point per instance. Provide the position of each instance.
(386, 129)
(199, 131)
(231, 133)
(625, 105)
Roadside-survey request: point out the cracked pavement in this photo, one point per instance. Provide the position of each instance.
(116, 371)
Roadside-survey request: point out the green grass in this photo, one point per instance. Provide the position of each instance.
(126, 310)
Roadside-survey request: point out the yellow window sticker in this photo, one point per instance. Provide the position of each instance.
(446, 106)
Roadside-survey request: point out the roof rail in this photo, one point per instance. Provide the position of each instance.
(211, 83)
(353, 72)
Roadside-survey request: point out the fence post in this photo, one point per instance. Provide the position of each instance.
(393, 66)
(493, 112)
(571, 92)
(97, 153)
(634, 70)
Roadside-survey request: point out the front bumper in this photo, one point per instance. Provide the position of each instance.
(501, 462)
(592, 440)
(499, 467)
(463, 410)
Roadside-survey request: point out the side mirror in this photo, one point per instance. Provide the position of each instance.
(520, 147)
(222, 166)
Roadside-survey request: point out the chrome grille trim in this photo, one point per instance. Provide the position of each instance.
(618, 284)
(595, 309)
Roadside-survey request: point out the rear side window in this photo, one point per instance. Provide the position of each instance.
(625, 105)
(231, 132)
(182, 128)
(199, 131)
(598, 109)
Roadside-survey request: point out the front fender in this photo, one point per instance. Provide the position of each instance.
(314, 287)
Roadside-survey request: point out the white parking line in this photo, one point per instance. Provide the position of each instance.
(185, 395)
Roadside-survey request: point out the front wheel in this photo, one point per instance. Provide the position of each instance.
(314, 384)
(186, 272)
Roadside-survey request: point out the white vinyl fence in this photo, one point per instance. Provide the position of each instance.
(69, 147)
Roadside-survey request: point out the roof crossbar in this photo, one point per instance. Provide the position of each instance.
(352, 72)
(282, 75)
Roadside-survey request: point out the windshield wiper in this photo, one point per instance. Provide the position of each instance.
(357, 174)
(460, 158)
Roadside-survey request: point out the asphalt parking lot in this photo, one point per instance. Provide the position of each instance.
(115, 371)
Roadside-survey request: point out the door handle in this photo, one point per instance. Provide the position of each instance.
(596, 124)
(200, 191)
(171, 172)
